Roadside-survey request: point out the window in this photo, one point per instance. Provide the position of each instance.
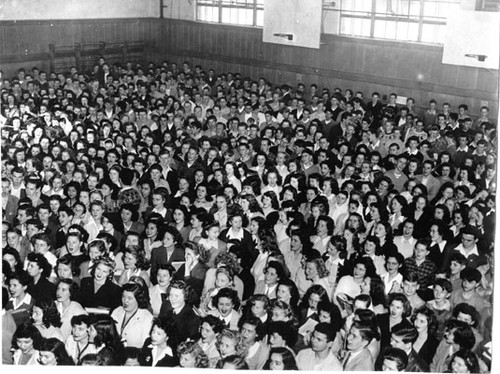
(407, 20)
(234, 12)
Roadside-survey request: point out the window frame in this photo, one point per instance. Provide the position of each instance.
(254, 5)
(420, 19)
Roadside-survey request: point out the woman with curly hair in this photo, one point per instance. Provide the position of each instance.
(349, 286)
(323, 232)
(191, 355)
(180, 221)
(46, 318)
(99, 290)
(210, 328)
(133, 320)
(273, 273)
(194, 269)
(309, 305)
(250, 206)
(270, 206)
(424, 320)
(229, 343)
(211, 242)
(135, 263)
(179, 308)
(153, 233)
(158, 349)
(224, 277)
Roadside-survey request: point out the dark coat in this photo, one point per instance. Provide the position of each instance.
(108, 296)
(186, 321)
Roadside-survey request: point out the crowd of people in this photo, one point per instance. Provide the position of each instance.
(164, 215)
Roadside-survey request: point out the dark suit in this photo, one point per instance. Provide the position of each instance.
(108, 296)
(10, 211)
(159, 256)
(186, 321)
(416, 364)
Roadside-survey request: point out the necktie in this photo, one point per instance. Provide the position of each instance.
(346, 359)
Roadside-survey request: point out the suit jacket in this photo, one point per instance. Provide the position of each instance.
(416, 364)
(362, 362)
(433, 185)
(108, 296)
(186, 321)
(159, 256)
(10, 211)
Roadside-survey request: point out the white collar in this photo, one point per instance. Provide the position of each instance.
(25, 300)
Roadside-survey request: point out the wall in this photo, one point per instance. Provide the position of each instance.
(26, 43)
(179, 9)
(367, 65)
(77, 9)
(411, 70)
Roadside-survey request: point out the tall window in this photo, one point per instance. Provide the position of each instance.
(235, 12)
(407, 20)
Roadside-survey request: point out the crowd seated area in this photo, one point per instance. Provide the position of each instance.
(175, 216)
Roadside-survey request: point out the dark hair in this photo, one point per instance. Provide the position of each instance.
(50, 313)
(42, 263)
(327, 329)
(398, 356)
(468, 309)
(167, 325)
(27, 331)
(214, 322)
(57, 347)
(396, 296)
(314, 289)
(260, 329)
(107, 334)
(285, 329)
(407, 333)
(469, 358)
(430, 315)
(294, 292)
(227, 293)
(287, 357)
(139, 294)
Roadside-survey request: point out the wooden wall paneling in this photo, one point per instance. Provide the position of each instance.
(466, 77)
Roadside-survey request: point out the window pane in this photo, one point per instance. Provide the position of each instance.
(208, 14)
(355, 26)
(260, 18)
